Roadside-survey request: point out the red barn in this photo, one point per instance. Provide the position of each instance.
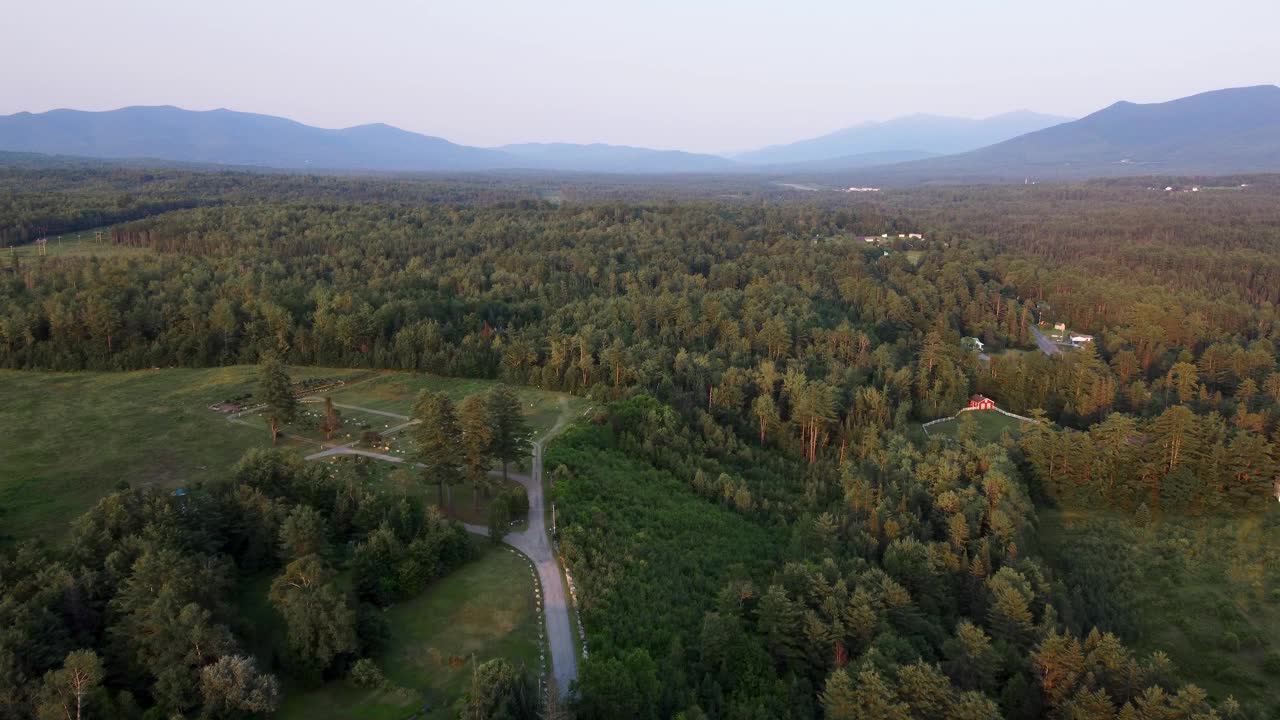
(981, 402)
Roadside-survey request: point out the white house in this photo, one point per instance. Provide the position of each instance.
(1078, 339)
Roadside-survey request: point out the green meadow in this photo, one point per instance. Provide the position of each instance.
(72, 438)
(987, 426)
(484, 610)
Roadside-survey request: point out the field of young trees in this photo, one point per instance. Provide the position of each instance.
(754, 523)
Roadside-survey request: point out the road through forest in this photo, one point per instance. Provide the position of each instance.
(534, 541)
(1047, 346)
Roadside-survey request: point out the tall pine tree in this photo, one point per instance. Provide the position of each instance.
(276, 392)
(511, 433)
(438, 439)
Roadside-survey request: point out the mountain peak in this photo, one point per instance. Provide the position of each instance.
(920, 134)
(230, 137)
(1235, 130)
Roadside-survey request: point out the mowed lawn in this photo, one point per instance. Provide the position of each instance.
(1204, 590)
(395, 392)
(484, 610)
(988, 426)
(71, 438)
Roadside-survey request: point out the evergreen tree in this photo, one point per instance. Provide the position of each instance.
(331, 421)
(276, 392)
(439, 441)
(304, 532)
(66, 691)
(511, 433)
(477, 442)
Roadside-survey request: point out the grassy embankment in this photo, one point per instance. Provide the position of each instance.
(987, 426)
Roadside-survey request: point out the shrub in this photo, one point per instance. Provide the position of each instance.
(1271, 663)
(1231, 641)
(517, 502)
(365, 674)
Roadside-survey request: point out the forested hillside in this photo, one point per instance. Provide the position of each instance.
(757, 525)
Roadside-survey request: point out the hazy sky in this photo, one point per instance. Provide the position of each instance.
(706, 75)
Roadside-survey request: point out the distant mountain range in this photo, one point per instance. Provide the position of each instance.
(226, 137)
(1228, 131)
(921, 135)
(1221, 132)
(613, 158)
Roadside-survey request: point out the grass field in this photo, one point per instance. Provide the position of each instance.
(1204, 590)
(988, 426)
(71, 438)
(81, 244)
(484, 610)
(394, 392)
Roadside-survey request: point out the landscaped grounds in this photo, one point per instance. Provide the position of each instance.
(74, 437)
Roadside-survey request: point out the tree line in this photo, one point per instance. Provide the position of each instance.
(136, 617)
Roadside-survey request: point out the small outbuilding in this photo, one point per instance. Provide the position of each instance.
(981, 402)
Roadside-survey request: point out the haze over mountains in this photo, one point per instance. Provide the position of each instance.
(921, 135)
(1224, 131)
(1236, 130)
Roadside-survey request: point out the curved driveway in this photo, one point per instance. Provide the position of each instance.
(536, 544)
(533, 541)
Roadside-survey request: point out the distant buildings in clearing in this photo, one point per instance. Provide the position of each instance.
(863, 189)
(1062, 336)
(886, 237)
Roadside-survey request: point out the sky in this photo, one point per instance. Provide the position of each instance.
(698, 75)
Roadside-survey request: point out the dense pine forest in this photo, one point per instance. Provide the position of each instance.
(757, 524)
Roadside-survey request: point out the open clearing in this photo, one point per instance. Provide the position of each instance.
(79, 244)
(988, 426)
(74, 437)
(395, 391)
(483, 610)
(1204, 590)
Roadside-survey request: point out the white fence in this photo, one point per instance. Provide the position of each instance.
(925, 426)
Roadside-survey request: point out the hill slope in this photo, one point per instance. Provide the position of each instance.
(226, 137)
(919, 134)
(1235, 130)
(613, 158)
(234, 138)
